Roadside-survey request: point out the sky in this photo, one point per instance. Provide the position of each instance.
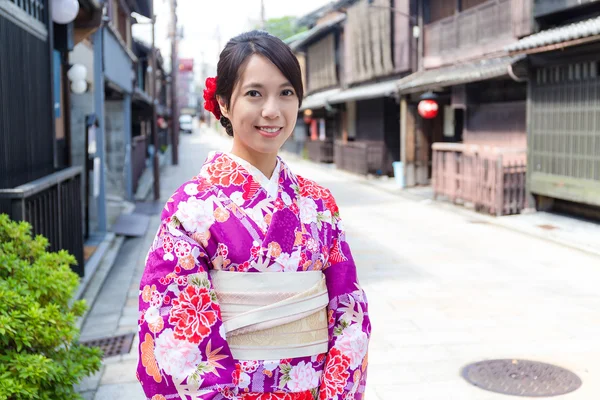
(208, 25)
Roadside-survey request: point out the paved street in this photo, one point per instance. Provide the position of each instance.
(444, 291)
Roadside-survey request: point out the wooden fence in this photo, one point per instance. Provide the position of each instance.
(492, 179)
(362, 157)
(320, 151)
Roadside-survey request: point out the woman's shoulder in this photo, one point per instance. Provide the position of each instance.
(193, 193)
(311, 189)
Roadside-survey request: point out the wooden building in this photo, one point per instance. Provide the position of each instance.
(563, 107)
(474, 149)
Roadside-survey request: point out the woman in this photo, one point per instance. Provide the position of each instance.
(250, 290)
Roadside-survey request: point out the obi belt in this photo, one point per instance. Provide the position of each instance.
(273, 315)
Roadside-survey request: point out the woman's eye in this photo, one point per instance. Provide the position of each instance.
(287, 92)
(253, 93)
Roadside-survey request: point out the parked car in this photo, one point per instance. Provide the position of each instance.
(186, 123)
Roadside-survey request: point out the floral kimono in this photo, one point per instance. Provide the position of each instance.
(231, 218)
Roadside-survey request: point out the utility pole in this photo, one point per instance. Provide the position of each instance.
(154, 130)
(262, 14)
(174, 71)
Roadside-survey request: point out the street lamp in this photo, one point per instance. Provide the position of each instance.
(76, 75)
(64, 11)
(154, 134)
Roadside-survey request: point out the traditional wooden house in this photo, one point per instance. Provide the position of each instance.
(372, 50)
(474, 148)
(319, 52)
(378, 48)
(563, 107)
(37, 182)
(142, 109)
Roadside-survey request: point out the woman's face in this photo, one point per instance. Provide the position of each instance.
(263, 108)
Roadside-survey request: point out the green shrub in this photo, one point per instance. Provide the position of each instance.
(39, 354)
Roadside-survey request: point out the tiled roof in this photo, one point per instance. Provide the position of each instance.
(577, 30)
(456, 74)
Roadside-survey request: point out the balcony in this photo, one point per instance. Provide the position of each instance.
(544, 7)
(475, 32)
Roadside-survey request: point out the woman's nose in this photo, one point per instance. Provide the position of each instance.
(271, 109)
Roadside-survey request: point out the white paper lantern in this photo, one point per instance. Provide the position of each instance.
(64, 11)
(79, 87)
(77, 73)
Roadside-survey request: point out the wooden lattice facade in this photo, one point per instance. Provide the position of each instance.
(564, 132)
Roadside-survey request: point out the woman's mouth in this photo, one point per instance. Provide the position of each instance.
(269, 131)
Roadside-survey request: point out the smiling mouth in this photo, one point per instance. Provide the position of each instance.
(269, 130)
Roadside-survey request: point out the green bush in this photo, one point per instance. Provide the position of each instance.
(39, 354)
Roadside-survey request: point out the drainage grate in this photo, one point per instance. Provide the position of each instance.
(113, 345)
(521, 378)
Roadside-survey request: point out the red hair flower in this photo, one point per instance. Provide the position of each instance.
(210, 98)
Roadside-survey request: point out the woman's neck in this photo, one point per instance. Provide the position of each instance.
(265, 163)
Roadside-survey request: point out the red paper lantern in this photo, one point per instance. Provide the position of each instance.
(428, 109)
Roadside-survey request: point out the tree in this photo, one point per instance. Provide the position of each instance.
(283, 27)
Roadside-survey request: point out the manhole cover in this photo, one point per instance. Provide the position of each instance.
(521, 378)
(113, 345)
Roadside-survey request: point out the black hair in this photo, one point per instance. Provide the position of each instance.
(237, 51)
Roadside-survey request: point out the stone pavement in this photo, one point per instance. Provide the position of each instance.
(443, 292)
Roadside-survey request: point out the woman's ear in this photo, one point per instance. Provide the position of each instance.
(222, 106)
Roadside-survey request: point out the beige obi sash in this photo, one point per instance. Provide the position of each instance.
(273, 315)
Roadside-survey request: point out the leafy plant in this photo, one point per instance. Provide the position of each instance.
(40, 357)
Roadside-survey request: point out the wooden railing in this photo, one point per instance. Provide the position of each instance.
(480, 30)
(362, 157)
(320, 151)
(53, 207)
(491, 179)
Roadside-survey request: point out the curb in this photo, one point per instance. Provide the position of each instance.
(102, 262)
(90, 292)
(450, 207)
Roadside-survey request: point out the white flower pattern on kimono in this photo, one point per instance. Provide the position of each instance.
(191, 189)
(308, 210)
(178, 358)
(286, 199)
(286, 262)
(196, 215)
(244, 380)
(152, 315)
(353, 342)
(237, 198)
(303, 377)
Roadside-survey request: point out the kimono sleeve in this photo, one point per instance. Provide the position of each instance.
(345, 372)
(183, 352)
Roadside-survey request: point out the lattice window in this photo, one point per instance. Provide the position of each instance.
(565, 121)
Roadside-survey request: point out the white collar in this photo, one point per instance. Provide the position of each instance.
(271, 185)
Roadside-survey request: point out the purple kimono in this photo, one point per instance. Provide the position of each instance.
(232, 218)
